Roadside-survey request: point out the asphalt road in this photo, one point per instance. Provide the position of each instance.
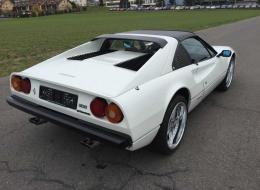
(220, 150)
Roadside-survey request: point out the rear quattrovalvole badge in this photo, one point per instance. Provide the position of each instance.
(83, 106)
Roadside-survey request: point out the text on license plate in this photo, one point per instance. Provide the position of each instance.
(58, 97)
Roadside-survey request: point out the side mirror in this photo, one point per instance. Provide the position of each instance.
(225, 53)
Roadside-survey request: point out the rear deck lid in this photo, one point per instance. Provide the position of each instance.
(97, 76)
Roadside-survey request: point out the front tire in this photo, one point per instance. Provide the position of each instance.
(226, 83)
(173, 126)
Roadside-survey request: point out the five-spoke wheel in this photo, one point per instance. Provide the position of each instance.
(173, 126)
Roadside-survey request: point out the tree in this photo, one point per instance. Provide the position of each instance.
(160, 3)
(188, 2)
(138, 2)
(172, 2)
(124, 4)
(36, 10)
(101, 3)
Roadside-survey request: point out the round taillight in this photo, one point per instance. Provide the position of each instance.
(26, 86)
(114, 113)
(98, 107)
(16, 82)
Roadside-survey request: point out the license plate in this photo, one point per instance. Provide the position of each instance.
(58, 97)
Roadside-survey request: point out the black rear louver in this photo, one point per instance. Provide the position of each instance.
(136, 63)
(88, 55)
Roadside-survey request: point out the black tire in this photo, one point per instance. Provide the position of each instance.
(159, 143)
(223, 86)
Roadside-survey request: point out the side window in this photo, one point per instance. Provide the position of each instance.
(181, 58)
(209, 48)
(196, 49)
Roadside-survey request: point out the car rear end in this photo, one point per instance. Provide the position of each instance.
(98, 116)
(95, 89)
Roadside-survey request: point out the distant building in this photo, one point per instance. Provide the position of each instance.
(252, 2)
(81, 3)
(112, 3)
(116, 3)
(93, 3)
(41, 7)
(6, 6)
(225, 2)
(145, 3)
(22, 5)
(64, 5)
(149, 2)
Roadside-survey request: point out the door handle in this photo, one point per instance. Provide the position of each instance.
(205, 83)
(194, 71)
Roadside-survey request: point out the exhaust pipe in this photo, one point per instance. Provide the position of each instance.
(90, 143)
(37, 121)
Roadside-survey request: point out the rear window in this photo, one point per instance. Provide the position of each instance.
(144, 50)
(130, 45)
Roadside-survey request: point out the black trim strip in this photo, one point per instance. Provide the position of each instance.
(94, 131)
(83, 112)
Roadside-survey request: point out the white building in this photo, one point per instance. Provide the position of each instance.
(81, 3)
(115, 3)
(112, 3)
(149, 2)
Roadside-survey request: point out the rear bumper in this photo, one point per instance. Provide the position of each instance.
(94, 131)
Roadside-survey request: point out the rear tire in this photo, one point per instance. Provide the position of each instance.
(173, 126)
(227, 81)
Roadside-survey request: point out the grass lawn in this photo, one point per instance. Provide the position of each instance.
(27, 41)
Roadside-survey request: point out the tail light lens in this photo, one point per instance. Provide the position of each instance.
(26, 85)
(21, 85)
(114, 113)
(98, 107)
(16, 82)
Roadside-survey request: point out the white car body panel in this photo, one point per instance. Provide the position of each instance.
(82, 75)
(143, 96)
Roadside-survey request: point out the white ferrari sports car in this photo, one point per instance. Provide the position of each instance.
(130, 89)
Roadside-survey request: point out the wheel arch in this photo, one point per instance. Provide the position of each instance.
(183, 91)
(233, 56)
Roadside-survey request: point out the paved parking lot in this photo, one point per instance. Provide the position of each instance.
(220, 150)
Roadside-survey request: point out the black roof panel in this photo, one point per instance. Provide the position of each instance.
(177, 34)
